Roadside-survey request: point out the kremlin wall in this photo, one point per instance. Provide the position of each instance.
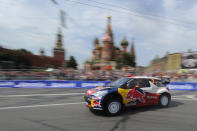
(43, 61)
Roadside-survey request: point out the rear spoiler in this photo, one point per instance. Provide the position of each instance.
(165, 80)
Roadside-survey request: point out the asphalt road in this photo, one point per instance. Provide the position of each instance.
(64, 110)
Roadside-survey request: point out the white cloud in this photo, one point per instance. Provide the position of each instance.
(169, 4)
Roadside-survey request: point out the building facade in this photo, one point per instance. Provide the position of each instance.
(168, 63)
(174, 61)
(157, 65)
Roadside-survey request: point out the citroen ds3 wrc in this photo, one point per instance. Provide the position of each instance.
(128, 91)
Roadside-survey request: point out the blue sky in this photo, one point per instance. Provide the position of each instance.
(33, 24)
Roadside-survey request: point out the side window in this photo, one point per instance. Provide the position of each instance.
(131, 84)
(159, 83)
(146, 83)
(143, 83)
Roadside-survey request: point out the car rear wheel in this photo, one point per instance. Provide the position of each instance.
(164, 100)
(113, 107)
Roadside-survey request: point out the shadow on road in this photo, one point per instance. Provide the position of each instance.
(134, 110)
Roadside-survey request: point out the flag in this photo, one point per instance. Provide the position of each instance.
(63, 18)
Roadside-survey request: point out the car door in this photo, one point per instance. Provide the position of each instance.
(124, 91)
(151, 91)
(132, 95)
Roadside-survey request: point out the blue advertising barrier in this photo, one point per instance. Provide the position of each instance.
(50, 84)
(79, 84)
(182, 86)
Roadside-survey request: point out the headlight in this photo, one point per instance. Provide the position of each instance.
(99, 93)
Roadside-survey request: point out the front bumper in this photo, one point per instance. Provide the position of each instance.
(93, 103)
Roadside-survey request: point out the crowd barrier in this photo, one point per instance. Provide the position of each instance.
(182, 86)
(79, 84)
(51, 84)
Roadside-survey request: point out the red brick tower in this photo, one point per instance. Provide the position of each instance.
(58, 51)
(108, 47)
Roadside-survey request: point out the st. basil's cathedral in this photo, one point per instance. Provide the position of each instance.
(105, 56)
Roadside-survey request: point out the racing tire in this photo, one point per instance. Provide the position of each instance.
(164, 100)
(113, 107)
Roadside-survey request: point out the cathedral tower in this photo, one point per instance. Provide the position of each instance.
(108, 47)
(58, 51)
(132, 51)
(97, 50)
(124, 44)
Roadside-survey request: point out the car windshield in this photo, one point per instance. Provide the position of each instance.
(118, 83)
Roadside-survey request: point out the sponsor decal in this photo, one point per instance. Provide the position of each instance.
(97, 98)
(92, 84)
(63, 85)
(7, 83)
(136, 96)
(151, 97)
(97, 103)
(185, 86)
(131, 96)
(27, 84)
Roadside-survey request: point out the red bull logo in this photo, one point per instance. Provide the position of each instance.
(137, 95)
(97, 103)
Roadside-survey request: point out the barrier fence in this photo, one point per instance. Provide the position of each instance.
(51, 84)
(79, 84)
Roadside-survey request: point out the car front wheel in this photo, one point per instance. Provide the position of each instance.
(113, 107)
(164, 100)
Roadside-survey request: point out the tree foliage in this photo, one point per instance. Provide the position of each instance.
(125, 60)
(17, 59)
(71, 63)
(23, 51)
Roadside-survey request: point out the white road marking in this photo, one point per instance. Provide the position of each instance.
(65, 94)
(188, 99)
(63, 104)
(34, 106)
(185, 97)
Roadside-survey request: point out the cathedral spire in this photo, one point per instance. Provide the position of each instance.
(108, 24)
(96, 42)
(132, 51)
(124, 44)
(108, 36)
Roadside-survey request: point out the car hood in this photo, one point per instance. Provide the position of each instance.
(93, 90)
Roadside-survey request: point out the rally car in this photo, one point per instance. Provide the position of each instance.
(128, 91)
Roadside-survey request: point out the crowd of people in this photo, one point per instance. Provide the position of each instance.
(70, 74)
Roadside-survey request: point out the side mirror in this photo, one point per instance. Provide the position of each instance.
(165, 81)
(127, 86)
(137, 86)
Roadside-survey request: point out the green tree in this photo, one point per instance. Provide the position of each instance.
(71, 63)
(125, 60)
(19, 60)
(167, 53)
(23, 51)
(156, 57)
